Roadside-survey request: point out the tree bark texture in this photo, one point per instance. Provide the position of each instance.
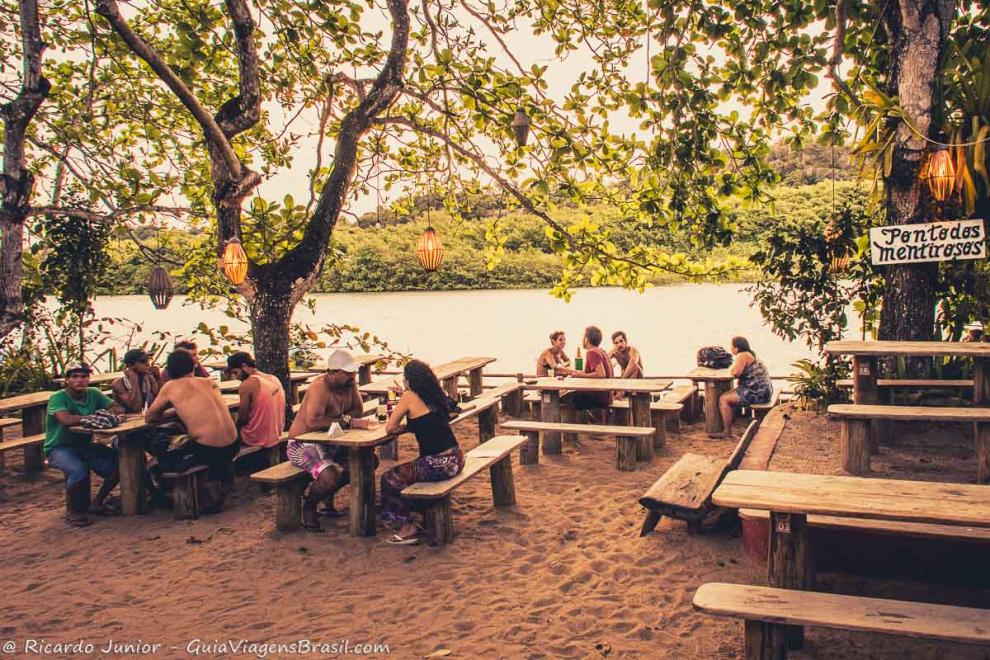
(17, 181)
(917, 30)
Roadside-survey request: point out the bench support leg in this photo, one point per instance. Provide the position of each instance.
(450, 387)
(765, 641)
(362, 466)
(185, 497)
(568, 415)
(131, 462)
(486, 424)
(789, 561)
(982, 436)
(475, 382)
(536, 411)
(364, 374)
(855, 446)
(503, 487)
(530, 452)
(440, 522)
(650, 523)
(288, 505)
(625, 453)
(639, 415)
(660, 428)
(550, 409)
(32, 423)
(512, 403)
(673, 422)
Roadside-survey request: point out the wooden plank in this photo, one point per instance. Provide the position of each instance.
(875, 615)
(910, 413)
(279, 473)
(599, 384)
(7, 422)
(445, 371)
(883, 499)
(886, 527)
(705, 373)
(475, 461)
(22, 401)
(663, 406)
(686, 486)
(528, 425)
(26, 441)
(905, 383)
(908, 348)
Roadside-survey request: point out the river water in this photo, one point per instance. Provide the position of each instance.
(667, 324)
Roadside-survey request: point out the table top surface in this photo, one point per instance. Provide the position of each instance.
(135, 421)
(353, 437)
(442, 371)
(599, 384)
(705, 373)
(856, 497)
(908, 348)
(25, 401)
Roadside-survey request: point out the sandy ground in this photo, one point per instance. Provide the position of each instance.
(562, 574)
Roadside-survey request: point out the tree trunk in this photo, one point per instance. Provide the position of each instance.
(271, 313)
(917, 31)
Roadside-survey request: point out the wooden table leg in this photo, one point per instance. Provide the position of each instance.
(568, 415)
(981, 432)
(789, 561)
(550, 411)
(362, 468)
(450, 387)
(131, 464)
(32, 423)
(487, 419)
(714, 389)
(364, 374)
(475, 382)
(854, 446)
(389, 451)
(639, 415)
(865, 391)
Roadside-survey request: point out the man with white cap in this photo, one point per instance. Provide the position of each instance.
(333, 397)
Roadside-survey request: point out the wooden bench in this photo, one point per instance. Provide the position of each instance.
(760, 410)
(660, 411)
(856, 441)
(289, 482)
(687, 396)
(185, 491)
(274, 452)
(627, 439)
(887, 383)
(768, 612)
(886, 527)
(685, 489)
(33, 459)
(7, 422)
(495, 454)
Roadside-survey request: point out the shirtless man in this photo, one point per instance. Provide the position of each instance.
(261, 410)
(202, 410)
(552, 357)
(333, 397)
(627, 357)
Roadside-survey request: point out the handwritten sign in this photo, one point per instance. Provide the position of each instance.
(934, 241)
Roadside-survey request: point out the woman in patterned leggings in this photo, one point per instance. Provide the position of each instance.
(427, 410)
(753, 384)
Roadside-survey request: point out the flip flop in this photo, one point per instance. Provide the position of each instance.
(395, 539)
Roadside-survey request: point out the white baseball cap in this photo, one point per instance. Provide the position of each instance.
(343, 361)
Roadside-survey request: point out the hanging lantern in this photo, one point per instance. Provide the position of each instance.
(160, 287)
(839, 264)
(520, 126)
(430, 250)
(234, 261)
(939, 173)
(840, 255)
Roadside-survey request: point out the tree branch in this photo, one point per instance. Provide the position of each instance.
(244, 110)
(838, 45)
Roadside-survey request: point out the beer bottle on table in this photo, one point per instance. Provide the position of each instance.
(391, 402)
(578, 361)
(382, 412)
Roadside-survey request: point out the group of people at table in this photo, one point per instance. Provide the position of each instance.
(754, 385)
(183, 401)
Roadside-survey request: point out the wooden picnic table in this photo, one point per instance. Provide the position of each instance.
(296, 379)
(130, 455)
(360, 444)
(447, 373)
(717, 382)
(866, 353)
(638, 389)
(791, 497)
(32, 408)
(365, 362)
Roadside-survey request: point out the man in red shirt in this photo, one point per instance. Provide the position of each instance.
(596, 365)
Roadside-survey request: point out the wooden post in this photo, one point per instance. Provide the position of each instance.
(512, 403)
(389, 451)
(486, 424)
(625, 453)
(765, 641)
(530, 452)
(440, 522)
(660, 428)
(536, 410)
(673, 422)
(865, 391)
(131, 463)
(551, 413)
(450, 387)
(855, 446)
(475, 384)
(362, 467)
(981, 382)
(364, 374)
(639, 415)
(713, 420)
(650, 523)
(503, 487)
(288, 505)
(32, 423)
(982, 437)
(789, 561)
(569, 415)
(184, 497)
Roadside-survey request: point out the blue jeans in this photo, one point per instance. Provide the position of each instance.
(76, 462)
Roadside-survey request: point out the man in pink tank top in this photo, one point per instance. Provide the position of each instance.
(261, 413)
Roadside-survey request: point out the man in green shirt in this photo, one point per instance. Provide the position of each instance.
(76, 454)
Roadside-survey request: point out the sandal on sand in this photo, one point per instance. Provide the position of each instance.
(395, 539)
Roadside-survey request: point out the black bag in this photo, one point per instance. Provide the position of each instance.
(714, 357)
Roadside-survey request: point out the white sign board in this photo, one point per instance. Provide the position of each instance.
(934, 241)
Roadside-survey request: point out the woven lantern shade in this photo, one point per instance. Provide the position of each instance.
(160, 287)
(234, 261)
(430, 250)
(520, 127)
(939, 174)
